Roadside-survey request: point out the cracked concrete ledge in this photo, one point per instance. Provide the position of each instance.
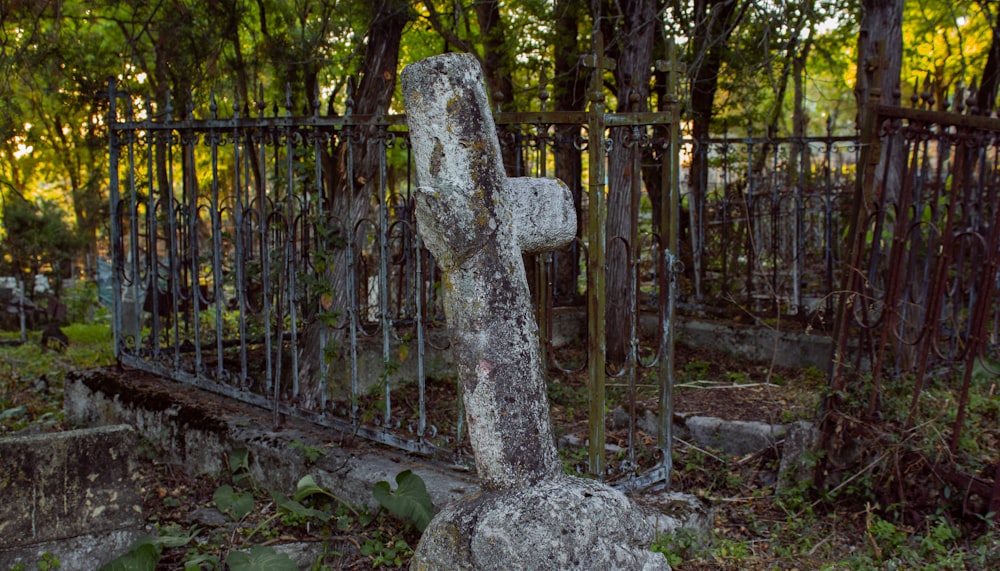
(197, 429)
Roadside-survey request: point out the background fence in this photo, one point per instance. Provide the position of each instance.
(765, 219)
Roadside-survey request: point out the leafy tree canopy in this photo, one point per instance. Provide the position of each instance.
(56, 56)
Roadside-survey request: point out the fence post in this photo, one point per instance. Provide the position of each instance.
(116, 230)
(668, 278)
(596, 272)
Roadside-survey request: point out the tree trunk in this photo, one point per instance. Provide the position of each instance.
(351, 200)
(987, 96)
(881, 23)
(570, 95)
(634, 41)
(714, 23)
(497, 71)
(880, 59)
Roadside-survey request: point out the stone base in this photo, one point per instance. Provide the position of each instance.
(86, 551)
(562, 523)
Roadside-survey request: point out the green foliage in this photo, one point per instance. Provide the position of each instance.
(144, 554)
(31, 379)
(310, 453)
(260, 558)
(677, 547)
(239, 465)
(937, 546)
(81, 301)
(696, 370)
(409, 501)
(386, 553)
(49, 562)
(293, 507)
(308, 487)
(233, 503)
(35, 235)
(230, 501)
(574, 460)
(310, 505)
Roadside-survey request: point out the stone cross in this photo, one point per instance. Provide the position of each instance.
(477, 222)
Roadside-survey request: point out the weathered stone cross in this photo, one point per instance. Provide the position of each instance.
(476, 222)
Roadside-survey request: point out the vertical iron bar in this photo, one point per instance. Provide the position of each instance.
(241, 162)
(265, 261)
(751, 241)
(383, 274)
(724, 242)
(189, 140)
(668, 279)
(419, 322)
(116, 231)
(596, 271)
(213, 138)
(352, 285)
(152, 248)
(828, 233)
(798, 248)
(291, 257)
(173, 264)
(134, 263)
(324, 247)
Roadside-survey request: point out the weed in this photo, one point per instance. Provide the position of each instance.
(261, 517)
(389, 553)
(49, 562)
(409, 501)
(677, 547)
(736, 378)
(310, 453)
(697, 370)
(574, 460)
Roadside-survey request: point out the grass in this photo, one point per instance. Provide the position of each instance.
(31, 377)
(758, 527)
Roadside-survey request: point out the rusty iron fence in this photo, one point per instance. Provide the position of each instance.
(226, 238)
(918, 320)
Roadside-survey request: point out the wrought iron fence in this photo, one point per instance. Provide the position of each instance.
(238, 268)
(765, 222)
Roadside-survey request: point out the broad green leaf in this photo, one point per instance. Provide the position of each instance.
(260, 558)
(236, 504)
(409, 501)
(239, 459)
(170, 538)
(295, 507)
(13, 412)
(308, 487)
(144, 553)
(196, 563)
(142, 557)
